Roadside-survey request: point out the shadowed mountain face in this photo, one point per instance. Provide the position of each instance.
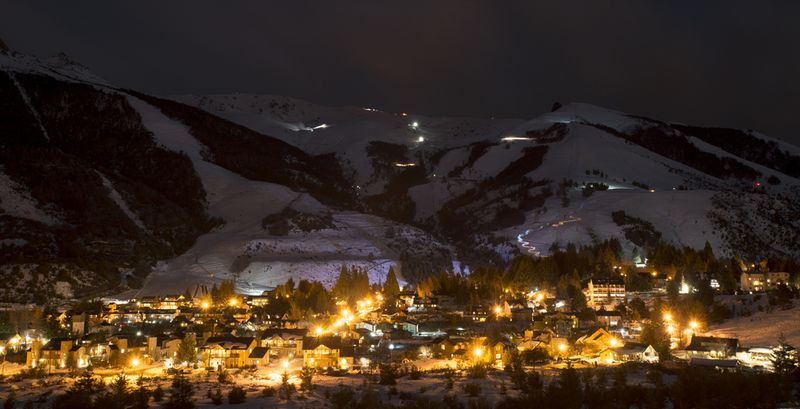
(100, 185)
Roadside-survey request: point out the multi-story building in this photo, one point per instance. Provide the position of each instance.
(758, 281)
(602, 292)
(227, 351)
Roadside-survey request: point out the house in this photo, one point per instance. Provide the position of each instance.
(753, 282)
(522, 314)
(227, 351)
(605, 292)
(758, 356)
(595, 341)
(630, 352)
(284, 342)
(327, 352)
(10, 341)
(259, 356)
(709, 348)
(529, 345)
(497, 351)
(57, 353)
(125, 348)
(775, 278)
(446, 347)
(408, 325)
(609, 319)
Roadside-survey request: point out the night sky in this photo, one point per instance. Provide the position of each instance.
(726, 63)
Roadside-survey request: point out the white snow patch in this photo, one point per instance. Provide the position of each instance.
(114, 195)
(16, 201)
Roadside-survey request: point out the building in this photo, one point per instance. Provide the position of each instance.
(259, 356)
(709, 348)
(753, 282)
(57, 353)
(227, 351)
(757, 281)
(596, 341)
(602, 292)
(327, 352)
(609, 319)
(630, 352)
(284, 342)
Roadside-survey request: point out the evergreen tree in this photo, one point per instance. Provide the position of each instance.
(182, 394)
(391, 289)
(187, 350)
(654, 335)
(141, 395)
(784, 358)
(342, 285)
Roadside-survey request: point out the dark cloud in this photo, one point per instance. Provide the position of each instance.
(731, 63)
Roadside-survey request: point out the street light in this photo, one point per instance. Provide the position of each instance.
(667, 316)
(693, 325)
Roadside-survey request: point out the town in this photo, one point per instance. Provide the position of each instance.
(452, 328)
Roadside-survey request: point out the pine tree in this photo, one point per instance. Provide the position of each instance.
(187, 350)
(342, 285)
(182, 393)
(391, 289)
(784, 358)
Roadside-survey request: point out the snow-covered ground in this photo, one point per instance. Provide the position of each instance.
(679, 215)
(762, 328)
(16, 201)
(242, 204)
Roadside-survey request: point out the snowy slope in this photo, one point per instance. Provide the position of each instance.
(462, 155)
(357, 239)
(17, 202)
(762, 328)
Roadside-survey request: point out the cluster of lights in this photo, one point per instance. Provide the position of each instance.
(672, 328)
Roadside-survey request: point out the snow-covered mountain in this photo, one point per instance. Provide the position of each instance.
(101, 184)
(551, 180)
(105, 189)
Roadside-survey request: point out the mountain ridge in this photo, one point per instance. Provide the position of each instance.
(107, 189)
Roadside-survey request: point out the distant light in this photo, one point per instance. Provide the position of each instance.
(138, 333)
(415, 124)
(652, 190)
(405, 165)
(323, 126)
(478, 352)
(515, 138)
(233, 302)
(285, 363)
(421, 139)
(135, 362)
